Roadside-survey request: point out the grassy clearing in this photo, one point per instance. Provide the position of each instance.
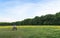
(30, 32)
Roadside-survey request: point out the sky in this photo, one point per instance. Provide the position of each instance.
(17, 10)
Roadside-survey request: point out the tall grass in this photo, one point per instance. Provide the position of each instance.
(30, 32)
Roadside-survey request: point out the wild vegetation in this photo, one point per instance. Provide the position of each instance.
(30, 32)
(49, 19)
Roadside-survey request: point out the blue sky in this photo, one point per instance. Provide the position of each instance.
(16, 10)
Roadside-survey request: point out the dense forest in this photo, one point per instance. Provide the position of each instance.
(49, 19)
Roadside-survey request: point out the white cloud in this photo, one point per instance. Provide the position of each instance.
(18, 12)
(47, 8)
(6, 19)
(27, 10)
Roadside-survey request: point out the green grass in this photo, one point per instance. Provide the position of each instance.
(30, 32)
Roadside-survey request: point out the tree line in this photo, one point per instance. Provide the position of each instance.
(49, 19)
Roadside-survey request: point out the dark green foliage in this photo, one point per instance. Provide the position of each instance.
(5, 23)
(48, 19)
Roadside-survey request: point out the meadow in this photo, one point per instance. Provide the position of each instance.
(30, 32)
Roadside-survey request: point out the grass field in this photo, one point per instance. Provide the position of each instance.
(30, 32)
